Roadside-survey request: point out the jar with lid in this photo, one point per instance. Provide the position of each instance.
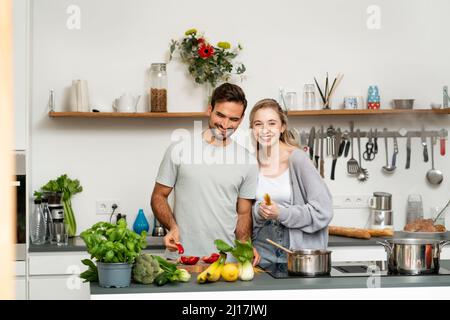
(309, 96)
(158, 90)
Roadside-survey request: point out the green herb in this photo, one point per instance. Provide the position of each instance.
(113, 243)
(68, 188)
(91, 274)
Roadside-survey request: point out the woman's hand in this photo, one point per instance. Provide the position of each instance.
(271, 212)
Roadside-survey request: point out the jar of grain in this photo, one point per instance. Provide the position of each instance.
(158, 90)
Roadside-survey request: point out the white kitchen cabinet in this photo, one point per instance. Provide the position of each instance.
(21, 288)
(55, 276)
(20, 70)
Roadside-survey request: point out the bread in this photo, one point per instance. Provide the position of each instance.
(381, 232)
(349, 232)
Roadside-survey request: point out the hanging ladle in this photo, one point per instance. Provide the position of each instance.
(279, 246)
(387, 168)
(434, 176)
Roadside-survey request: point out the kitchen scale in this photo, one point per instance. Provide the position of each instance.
(344, 269)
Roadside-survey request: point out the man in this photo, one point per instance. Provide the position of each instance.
(213, 200)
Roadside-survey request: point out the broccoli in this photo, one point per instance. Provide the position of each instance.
(146, 269)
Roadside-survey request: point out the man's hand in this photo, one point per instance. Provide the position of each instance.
(172, 238)
(256, 257)
(271, 212)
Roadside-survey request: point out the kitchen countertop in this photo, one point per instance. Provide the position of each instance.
(264, 281)
(156, 243)
(77, 244)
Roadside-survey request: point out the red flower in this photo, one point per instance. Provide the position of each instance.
(200, 40)
(205, 51)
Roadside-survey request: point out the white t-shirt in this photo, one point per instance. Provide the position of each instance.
(278, 188)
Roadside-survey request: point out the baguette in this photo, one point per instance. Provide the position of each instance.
(381, 232)
(349, 232)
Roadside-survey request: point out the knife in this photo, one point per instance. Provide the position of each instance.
(322, 161)
(312, 135)
(337, 151)
(408, 151)
(316, 151)
(424, 144)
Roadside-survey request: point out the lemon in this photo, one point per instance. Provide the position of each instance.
(230, 272)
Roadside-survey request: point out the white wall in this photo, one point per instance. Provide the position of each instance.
(286, 43)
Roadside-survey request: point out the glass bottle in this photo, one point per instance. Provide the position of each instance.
(158, 90)
(48, 221)
(141, 223)
(37, 224)
(309, 96)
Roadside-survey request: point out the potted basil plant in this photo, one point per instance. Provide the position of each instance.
(115, 248)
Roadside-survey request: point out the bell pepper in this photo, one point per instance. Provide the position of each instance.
(180, 248)
(190, 260)
(212, 258)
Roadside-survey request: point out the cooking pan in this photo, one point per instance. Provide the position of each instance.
(413, 256)
(306, 262)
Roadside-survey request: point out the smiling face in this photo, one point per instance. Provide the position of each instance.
(267, 127)
(225, 118)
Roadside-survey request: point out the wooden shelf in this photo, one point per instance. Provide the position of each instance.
(127, 115)
(346, 112)
(302, 113)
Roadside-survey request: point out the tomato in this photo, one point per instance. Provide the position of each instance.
(212, 258)
(190, 260)
(180, 248)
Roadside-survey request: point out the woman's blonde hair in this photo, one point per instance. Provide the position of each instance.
(286, 136)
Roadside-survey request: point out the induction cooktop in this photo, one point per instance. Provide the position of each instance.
(343, 269)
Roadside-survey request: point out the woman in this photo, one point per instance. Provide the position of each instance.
(301, 205)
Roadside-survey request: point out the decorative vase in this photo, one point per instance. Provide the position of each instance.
(141, 223)
(208, 94)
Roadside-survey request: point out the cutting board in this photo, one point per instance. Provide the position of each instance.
(196, 268)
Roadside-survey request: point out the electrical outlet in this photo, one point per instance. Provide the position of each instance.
(105, 206)
(351, 201)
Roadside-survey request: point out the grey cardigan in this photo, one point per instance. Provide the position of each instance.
(311, 209)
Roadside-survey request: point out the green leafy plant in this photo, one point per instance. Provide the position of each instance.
(243, 252)
(68, 188)
(207, 63)
(111, 243)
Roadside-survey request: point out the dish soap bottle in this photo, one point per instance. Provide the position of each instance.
(141, 223)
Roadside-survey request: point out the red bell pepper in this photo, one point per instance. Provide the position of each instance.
(180, 248)
(189, 260)
(212, 258)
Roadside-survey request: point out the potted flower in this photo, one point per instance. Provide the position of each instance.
(115, 248)
(207, 64)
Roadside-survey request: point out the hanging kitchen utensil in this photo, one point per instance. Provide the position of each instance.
(352, 164)
(375, 142)
(369, 155)
(442, 135)
(387, 168)
(337, 151)
(363, 174)
(317, 151)
(394, 155)
(312, 135)
(408, 152)
(322, 160)
(424, 145)
(434, 176)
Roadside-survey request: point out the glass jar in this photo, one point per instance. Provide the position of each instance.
(158, 90)
(309, 96)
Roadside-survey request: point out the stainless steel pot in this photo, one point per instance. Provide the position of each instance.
(307, 262)
(413, 256)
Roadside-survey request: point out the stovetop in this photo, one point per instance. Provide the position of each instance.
(344, 269)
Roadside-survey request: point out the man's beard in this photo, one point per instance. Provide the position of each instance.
(218, 135)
